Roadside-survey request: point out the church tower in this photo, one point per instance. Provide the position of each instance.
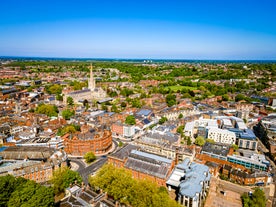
(91, 82)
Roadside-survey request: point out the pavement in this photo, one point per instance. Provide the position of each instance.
(78, 163)
(226, 194)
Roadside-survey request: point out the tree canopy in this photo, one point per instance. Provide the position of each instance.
(257, 199)
(47, 109)
(63, 177)
(119, 183)
(199, 141)
(130, 119)
(20, 192)
(67, 113)
(89, 157)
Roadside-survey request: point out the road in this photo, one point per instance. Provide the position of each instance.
(85, 172)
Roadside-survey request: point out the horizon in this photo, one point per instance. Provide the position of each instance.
(199, 30)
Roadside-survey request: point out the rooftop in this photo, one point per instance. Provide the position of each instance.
(124, 152)
(216, 148)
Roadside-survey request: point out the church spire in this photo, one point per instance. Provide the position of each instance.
(91, 83)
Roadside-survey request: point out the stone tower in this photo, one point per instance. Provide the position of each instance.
(91, 83)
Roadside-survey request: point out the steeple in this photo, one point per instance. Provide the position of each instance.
(91, 83)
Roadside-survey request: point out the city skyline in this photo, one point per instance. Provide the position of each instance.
(158, 29)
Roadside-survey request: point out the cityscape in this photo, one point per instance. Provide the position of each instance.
(120, 104)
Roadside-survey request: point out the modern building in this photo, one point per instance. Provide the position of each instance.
(222, 136)
(191, 180)
(250, 160)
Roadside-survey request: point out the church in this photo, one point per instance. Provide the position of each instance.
(89, 94)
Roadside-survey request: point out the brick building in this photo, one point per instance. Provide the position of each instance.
(143, 165)
(97, 141)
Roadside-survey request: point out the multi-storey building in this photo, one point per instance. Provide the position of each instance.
(191, 180)
(222, 136)
(98, 141)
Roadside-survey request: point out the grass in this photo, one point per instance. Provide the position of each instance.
(176, 88)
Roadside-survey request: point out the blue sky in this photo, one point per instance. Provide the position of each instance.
(176, 29)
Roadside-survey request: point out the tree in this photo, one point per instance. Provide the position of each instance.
(63, 177)
(32, 194)
(47, 109)
(114, 108)
(170, 100)
(235, 147)
(163, 120)
(70, 101)
(119, 183)
(67, 114)
(225, 97)
(123, 104)
(54, 89)
(257, 199)
(189, 141)
(199, 141)
(89, 157)
(130, 119)
(22, 192)
(180, 116)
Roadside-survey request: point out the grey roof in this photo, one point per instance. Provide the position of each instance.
(188, 176)
(79, 91)
(216, 148)
(149, 164)
(20, 153)
(124, 152)
(144, 112)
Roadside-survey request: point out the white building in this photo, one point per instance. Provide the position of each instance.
(192, 181)
(222, 136)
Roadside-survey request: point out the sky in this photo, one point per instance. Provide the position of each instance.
(171, 29)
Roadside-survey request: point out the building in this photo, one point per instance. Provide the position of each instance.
(244, 178)
(222, 136)
(83, 196)
(91, 93)
(34, 163)
(217, 150)
(191, 180)
(96, 140)
(250, 160)
(143, 165)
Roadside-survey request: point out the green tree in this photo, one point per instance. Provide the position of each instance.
(257, 199)
(130, 119)
(89, 157)
(23, 192)
(180, 116)
(189, 141)
(47, 109)
(123, 104)
(119, 183)
(199, 141)
(54, 89)
(70, 101)
(114, 108)
(235, 147)
(162, 120)
(170, 100)
(63, 177)
(67, 114)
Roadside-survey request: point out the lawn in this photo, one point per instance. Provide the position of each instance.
(176, 88)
